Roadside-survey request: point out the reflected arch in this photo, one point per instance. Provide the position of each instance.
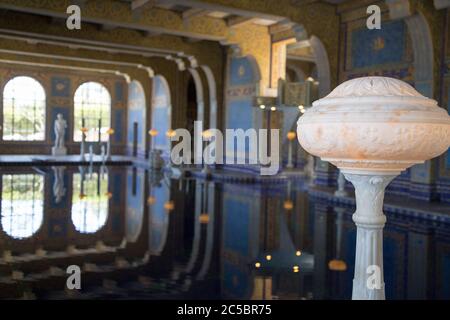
(134, 213)
(160, 207)
(22, 204)
(90, 201)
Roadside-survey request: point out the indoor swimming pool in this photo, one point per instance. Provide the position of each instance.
(136, 233)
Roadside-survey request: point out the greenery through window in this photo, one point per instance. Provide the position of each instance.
(22, 209)
(92, 105)
(23, 110)
(90, 202)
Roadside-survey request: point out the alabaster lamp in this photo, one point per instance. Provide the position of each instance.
(373, 128)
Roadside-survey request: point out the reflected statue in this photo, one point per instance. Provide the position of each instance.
(60, 132)
(103, 154)
(155, 178)
(156, 160)
(59, 191)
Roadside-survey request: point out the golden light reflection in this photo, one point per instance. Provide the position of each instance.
(337, 265)
(153, 132)
(204, 218)
(291, 135)
(268, 257)
(288, 205)
(151, 200)
(110, 131)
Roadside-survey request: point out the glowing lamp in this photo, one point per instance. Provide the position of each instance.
(169, 205)
(207, 134)
(153, 132)
(291, 135)
(170, 133)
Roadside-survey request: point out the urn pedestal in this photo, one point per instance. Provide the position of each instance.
(373, 128)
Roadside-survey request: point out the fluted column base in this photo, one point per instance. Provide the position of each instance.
(368, 282)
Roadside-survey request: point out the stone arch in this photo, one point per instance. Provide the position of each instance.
(322, 64)
(242, 86)
(299, 73)
(161, 114)
(198, 143)
(136, 116)
(422, 44)
(212, 89)
(320, 58)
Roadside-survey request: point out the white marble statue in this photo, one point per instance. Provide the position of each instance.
(60, 132)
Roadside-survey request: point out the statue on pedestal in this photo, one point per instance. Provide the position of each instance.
(60, 131)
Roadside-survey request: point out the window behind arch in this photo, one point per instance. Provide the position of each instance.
(23, 110)
(92, 103)
(22, 209)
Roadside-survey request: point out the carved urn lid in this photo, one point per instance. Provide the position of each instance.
(374, 124)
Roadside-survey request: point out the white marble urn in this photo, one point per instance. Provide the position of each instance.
(372, 128)
(375, 124)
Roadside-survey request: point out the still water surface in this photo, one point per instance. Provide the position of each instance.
(140, 234)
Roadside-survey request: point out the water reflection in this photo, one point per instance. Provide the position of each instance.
(90, 198)
(142, 234)
(160, 207)
(22, 204)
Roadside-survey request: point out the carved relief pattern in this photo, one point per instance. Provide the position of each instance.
(374, 86)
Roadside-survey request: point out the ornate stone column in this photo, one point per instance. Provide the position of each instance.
(372, 128)
(369, 219)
